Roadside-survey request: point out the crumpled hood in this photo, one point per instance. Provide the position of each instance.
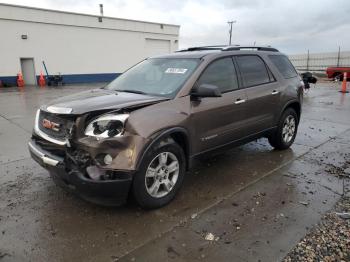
(101, 99)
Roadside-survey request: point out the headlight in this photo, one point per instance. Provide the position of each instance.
(107, 126)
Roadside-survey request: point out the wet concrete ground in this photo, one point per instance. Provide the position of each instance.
(256, 202)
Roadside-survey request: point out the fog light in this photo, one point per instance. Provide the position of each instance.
(95, 173)
(107, 159)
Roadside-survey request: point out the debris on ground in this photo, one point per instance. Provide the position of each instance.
(304, 203)
(339, 171)
(3, 254)
(335, 170)
(211, 237)
(329, 240)
(344, 215)
(172, 252)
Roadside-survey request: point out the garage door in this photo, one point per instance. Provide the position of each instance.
(157, 47)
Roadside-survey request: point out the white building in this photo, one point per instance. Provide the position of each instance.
(82, 48)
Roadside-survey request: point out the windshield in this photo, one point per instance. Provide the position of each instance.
(155, 76)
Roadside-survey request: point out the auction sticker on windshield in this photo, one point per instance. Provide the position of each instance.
(176, 70)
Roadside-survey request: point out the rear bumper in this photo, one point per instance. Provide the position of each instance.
(102, 192)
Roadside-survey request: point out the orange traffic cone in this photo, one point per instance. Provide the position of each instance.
(42, 82)
(343, 85)
(20, 81)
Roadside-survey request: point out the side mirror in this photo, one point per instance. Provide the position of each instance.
(206, 90)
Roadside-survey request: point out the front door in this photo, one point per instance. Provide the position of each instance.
(218, 120)
(28, 71)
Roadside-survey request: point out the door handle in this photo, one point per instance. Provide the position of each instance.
(274, 92)
(239, 101)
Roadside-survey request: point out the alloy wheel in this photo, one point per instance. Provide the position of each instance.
(288, 130)
(162, 174)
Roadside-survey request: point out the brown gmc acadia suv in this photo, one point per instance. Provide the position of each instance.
(139, 134)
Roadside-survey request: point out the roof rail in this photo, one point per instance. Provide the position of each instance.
(258, 48)
(228, 48)
(203, 48)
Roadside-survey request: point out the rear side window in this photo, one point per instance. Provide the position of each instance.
(253, 70)
(283, 65)
(220, 73)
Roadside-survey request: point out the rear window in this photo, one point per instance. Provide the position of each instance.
(253, 70)
(283, 65)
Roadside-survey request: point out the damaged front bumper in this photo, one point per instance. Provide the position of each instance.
(104, 192)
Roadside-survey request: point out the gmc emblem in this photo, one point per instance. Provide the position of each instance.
(51, 125)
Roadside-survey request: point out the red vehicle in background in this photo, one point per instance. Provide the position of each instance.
(337, 72)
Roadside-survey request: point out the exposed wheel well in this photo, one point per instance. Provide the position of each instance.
(181, 139)
(296, 107)
(179, 135)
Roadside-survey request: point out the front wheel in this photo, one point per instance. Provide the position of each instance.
(160, 175)
(286, 131)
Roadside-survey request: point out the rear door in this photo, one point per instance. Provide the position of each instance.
(263, 92)
(218, 120)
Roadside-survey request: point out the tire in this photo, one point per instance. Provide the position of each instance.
(279, 140)
(145, 188)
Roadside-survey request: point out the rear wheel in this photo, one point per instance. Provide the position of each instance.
(160, 175)
(286, 131)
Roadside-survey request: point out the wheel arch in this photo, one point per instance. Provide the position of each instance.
(295, 105)
(178, 134)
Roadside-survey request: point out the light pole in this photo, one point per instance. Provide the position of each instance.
(231, 23)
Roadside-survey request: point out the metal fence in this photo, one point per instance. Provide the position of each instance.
(318, 62)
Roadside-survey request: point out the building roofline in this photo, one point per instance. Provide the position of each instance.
(84, 14)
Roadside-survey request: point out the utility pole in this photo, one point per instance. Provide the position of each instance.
(231, 23)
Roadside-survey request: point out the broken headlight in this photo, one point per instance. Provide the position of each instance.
(107, 126)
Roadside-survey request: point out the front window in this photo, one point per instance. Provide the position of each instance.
(220, 73)
(155, 76)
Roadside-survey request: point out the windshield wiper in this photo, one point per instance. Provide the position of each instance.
(132, 91)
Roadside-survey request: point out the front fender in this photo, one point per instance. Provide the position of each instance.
(143, 128)
(124, 150)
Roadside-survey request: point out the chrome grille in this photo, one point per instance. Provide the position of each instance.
(56, 126)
